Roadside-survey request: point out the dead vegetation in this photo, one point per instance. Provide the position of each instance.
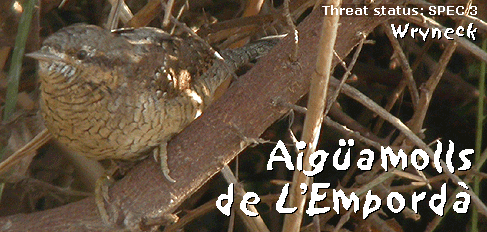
(403, 93)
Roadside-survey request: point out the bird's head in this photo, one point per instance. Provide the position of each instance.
(83, 54)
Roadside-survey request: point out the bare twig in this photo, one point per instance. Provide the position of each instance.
(252, 223)
(406, 69)
(40, 139)
(314, 115)
(348, 72)
(167, 12)
(125, 13)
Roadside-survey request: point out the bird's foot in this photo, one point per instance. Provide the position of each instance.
(160, 153)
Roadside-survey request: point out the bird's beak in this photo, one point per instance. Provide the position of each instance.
(43, 56)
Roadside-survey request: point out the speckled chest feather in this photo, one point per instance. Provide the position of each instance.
(116, 95)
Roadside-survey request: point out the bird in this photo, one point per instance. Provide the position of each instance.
(123, 94)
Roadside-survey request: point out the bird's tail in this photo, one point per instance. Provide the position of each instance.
(237, 57)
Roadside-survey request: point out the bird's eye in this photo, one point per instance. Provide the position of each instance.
(81, 54)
